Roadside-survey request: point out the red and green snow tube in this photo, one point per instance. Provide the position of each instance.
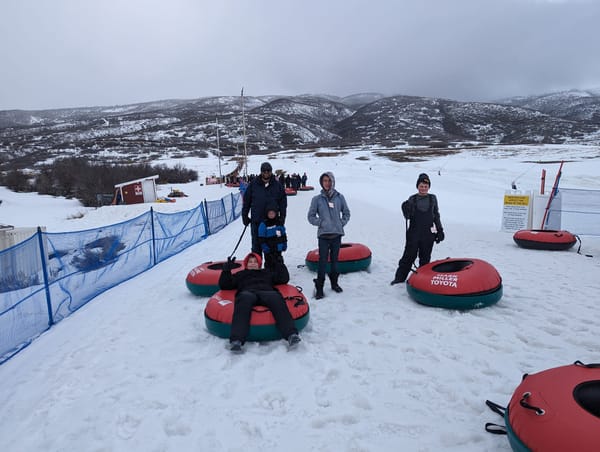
(218, 314)
(353, 257)
(456, 283)
(203, 280)
(557, 409)
(544, 239)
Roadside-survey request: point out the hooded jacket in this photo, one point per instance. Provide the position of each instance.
(329, 210)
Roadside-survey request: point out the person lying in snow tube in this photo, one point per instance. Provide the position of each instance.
(256, 286)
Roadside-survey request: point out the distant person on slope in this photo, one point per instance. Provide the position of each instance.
(425, 228)
(303, 180)
(260, 191)
(329, 211)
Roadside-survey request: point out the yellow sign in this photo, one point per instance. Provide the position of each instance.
(516, 212)
(516, 200)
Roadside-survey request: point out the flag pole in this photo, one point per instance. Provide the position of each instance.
(244, 129)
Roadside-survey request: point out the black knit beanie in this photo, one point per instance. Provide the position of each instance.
(423, 178)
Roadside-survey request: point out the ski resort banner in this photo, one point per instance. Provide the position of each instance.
(516, 213)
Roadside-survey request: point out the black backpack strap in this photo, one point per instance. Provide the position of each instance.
(298, 299)
(495, 429)
(589, 366)
(490, 427)
(579, 247)
(498, 409)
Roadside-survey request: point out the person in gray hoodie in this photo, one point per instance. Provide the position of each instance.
(330, 213)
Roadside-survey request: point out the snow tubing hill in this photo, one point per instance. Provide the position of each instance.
(353, 257)
(219, 314)
(556, 410)
(203, 280)
(544, 239)
(463, 283)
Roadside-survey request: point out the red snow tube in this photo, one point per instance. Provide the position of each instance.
(556, 410)
(203, 280)
(219, 314)
(544, 239)
(290, 192)
(353, 257)
(456, 283)
(306, 188)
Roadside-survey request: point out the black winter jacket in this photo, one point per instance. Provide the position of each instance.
(254, 279)
(409, 210)
(258, 195)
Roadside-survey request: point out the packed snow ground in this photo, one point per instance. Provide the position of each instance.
(136, 370)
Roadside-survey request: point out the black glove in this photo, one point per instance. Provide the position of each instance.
(245, 220)
(408, 209)
(440, 236)
(227, 266)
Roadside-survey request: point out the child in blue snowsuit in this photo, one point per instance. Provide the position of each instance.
(272, 237)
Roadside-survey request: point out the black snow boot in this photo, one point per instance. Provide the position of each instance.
(400, 276)
(319, 286)
(333, 277)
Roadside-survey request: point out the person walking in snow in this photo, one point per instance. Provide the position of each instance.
(303, 180)
(262, 190)
(330, 213)
(255, 286)
(272, 237)
(425, 227)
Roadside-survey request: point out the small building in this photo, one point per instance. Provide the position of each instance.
(136, 191)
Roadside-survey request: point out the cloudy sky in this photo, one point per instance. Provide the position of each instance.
(68, 53)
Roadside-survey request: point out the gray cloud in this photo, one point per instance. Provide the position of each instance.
(71, 53)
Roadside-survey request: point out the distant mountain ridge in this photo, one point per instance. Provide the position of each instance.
(140, 132)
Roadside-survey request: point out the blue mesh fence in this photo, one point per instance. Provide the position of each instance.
(50, 275)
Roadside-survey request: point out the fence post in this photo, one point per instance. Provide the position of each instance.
(224, 210)
(45, 273)
(153, 236)
(232, 208)
(205, 217)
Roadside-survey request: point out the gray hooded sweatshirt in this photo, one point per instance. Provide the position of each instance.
(329, 210)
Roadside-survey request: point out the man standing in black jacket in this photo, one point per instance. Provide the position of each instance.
(260, 191)
(256, 287)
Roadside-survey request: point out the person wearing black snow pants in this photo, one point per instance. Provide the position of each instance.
(255, 286)
(425, 228)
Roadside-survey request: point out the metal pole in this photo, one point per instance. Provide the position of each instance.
(219, 152)
(238, 243)
(552, 195)
(244, 129)
(543, 183)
